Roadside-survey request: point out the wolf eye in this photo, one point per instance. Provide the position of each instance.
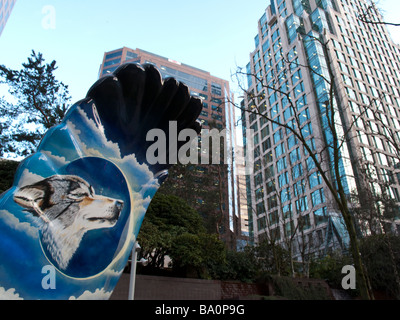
(78, 196)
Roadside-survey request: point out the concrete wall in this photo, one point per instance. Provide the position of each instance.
(165, 288)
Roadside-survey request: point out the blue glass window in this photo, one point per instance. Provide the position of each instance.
(297, 171)
(274, 111)
(315, 180)
(296, 76)
(311, 144)
(259, 193)
(287, 114)
(112, 62)
(258, 179)
(260, 208)
(304, 116)
(318, 197)
(261, 223)
(292, 141)
(272, 202)
(276, 125)
(299, 89)
(130, 55)
(285, 195)
(270, 75)
(114, 55)
(279, 150)
(281, 164)
(320, 216)
(266, 46)
(272, 99)
(283, 180)
(278, 136)
(287, 211)
(302, 204)
(295, 155)
(301, 103)
(299, 188)
(307, 130)
(275, 35)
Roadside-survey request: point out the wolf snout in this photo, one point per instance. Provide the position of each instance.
(119, 205)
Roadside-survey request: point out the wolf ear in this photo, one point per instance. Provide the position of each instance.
(29, 197)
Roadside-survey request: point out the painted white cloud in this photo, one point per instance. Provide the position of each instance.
(98, 139)
(13, 222)
(99, 294)
(137, 174)
(9, 294)
(98, 146)
(28, 178)
(114, 273)
(61, 161)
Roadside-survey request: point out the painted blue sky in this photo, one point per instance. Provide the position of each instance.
(123, 179)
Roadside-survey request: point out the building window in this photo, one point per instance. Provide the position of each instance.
(287, 211)
(315, 180)
(278, 136)
(112, 62)
(318, 197)
(283, 180)
(269, 172)
(261, 223)
(297, 171)
(260, 208)
(281, 164)
(299, 188)
(302, 204)
(266, 144)
(306, 130)
(304, 222)
(295, 155)
(279, 150)
(258, 179)
(285, 195)
(259, 193)
(113, 55)
(320, 216)
(273, 218)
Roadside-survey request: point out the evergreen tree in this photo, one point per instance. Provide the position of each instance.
(38, 102)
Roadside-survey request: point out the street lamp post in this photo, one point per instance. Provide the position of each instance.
(132, 280)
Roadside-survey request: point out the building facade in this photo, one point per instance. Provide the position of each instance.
(312, 57)
(218, 180)
(6, 7)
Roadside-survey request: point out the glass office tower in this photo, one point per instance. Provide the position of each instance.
(217, 114)
(310, 55)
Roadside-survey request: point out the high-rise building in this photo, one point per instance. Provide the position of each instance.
(310, 55)
(216, 114)
(5, 10)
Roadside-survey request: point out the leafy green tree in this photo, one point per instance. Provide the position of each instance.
(197, 254)
(273, 258)
(240, 265)
(7, 171)
(330, 267)
(38, 102)
(382, 270)
(173, 228)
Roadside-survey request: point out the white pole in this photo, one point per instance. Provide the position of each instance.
(132, 280)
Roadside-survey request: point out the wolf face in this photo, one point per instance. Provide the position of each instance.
(69, 208)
